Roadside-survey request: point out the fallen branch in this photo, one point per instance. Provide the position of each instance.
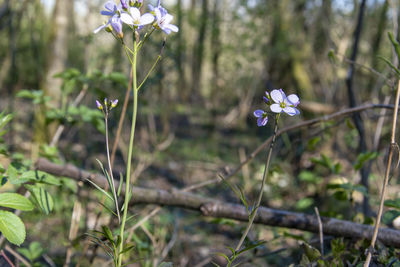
(215, 208)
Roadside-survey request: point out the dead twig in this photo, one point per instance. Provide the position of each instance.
(321, 231)
(393, 148)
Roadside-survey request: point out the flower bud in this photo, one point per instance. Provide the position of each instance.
(99, 105)
(114, 103)
(124, 4)
(138, 3)
(109, 28)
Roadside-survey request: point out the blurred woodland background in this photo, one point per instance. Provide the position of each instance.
(196, 120)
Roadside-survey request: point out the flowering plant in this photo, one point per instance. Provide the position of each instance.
(283, 103)
(127, 12)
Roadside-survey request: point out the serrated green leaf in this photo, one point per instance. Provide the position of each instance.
(15, 201)
(12, 174)
(12, 227)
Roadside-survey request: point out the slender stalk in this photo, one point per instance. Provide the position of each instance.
(150, 71)
(129, 164)
(110, 168)
(393, 147)
(260, 194)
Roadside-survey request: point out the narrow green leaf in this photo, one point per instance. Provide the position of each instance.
(127, 249)
(101, 190)
(15, 201)
(390, 65)
(12, 227)
(223, 255)
(108, 209)
(108, 234)
(41, 197)
(121, 182)
(395, 44)
(251, 246)
(5, 119)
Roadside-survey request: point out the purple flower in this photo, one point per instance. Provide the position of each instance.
(134, 18)
(262, 117)
(111, 9)
(283, 103)
(267, 98)
(124, 4)
(163, 19)
(114, 11)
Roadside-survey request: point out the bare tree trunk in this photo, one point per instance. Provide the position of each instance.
(57, 57)
(181, 83)
(377, 40)
(198, 53)
(58, 49)
(215, 47)
(321, 39)
(362, 146)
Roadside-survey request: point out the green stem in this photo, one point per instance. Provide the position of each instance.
(260, 194)
(110, 168)
(128, 169)
(150, 71)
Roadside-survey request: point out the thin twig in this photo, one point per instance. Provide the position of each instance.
(6, 258)
(16, 255)
(393, 146)
(321, 231)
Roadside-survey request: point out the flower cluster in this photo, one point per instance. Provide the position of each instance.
(108, 105)
(282, 103)
(128, 12)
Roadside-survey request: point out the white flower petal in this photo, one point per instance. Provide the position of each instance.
(172, 27)
(146, 19)
(290, 111)
(127, 19)
(99, 29)
(135, 13)
(293, 99)
(276, 108)
(167, 19)
(158, 14)
(276, 95)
